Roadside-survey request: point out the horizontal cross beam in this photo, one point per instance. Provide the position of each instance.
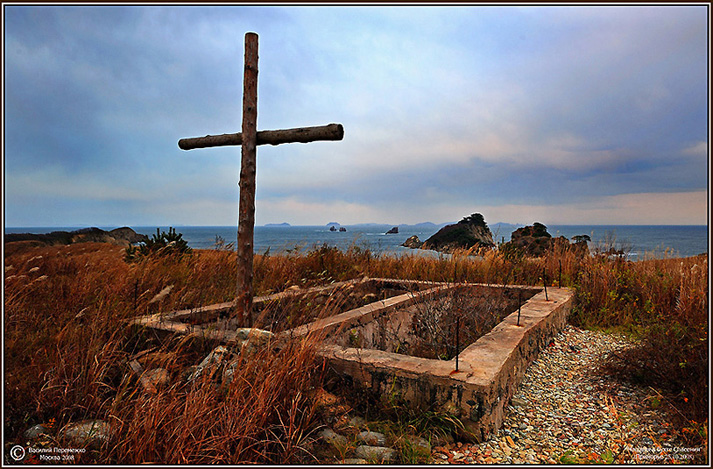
(267, 137)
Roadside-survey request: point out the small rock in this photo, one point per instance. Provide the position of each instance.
(251, 340)
(372, 438)
(91, 433)
(357, 422)
(419, 442)
(375, 453)
(211, 361)
(229, 371)
(245, 333)
(332, 437)
(35, 431)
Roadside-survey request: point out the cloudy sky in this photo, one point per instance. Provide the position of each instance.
(569, 115)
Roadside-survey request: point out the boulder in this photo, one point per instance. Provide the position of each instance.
(251, 340)
(92, 433)
(375, 453)
(357, 422)
(258, 335)
(394, 230)
(372, 438)
(413, 242)
(229, 371)
(35, 431)
(210, 363)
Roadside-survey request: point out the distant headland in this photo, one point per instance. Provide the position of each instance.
(122, 236)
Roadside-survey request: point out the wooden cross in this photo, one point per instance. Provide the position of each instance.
(249, 139)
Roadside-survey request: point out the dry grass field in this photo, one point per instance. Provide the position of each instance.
(67, 342)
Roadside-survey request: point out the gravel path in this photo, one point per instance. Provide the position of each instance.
(563, 408)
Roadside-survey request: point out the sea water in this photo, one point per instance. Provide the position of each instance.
(638, 242)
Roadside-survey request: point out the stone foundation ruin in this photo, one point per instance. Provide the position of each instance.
(397, 338)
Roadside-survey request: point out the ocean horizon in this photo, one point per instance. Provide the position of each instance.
(639, 241)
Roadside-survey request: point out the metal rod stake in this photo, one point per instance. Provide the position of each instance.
(519, 305)
(457, 340)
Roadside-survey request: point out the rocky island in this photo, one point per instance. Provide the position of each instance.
(471, 232)
(535, 241)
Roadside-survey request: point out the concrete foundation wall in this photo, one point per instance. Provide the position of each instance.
(488, 373)
(489, 370)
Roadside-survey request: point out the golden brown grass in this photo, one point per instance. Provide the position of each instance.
(67, 342)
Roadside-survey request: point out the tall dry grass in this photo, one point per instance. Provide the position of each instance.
(67, 347)
(66, 342)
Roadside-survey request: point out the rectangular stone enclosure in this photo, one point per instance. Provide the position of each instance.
(381, 335)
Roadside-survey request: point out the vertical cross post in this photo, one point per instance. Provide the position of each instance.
(249, 139)
(246, 210)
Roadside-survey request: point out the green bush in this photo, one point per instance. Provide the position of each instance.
(161, 243)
